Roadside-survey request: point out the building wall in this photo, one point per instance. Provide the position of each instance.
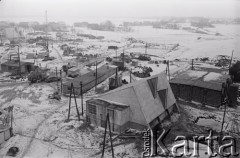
(120, 117)
(86, 87)
(197, 94)
(128, 97)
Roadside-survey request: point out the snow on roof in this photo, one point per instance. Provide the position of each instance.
(104, 102)
(212, 76)
(204, 79)
(139, 97)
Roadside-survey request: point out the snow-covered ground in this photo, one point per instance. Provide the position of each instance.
(40, 125)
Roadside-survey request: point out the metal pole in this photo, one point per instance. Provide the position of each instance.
(81, 95)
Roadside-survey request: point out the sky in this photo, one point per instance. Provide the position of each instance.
(67, 9)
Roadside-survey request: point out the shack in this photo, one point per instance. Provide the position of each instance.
(13, 66)
(200, 86)
(139, 105)
(89, 80)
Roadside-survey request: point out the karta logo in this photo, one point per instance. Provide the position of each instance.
(152, 145)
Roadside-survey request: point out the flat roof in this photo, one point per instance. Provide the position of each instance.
(88, 77)
(204, 79)
(15, 64)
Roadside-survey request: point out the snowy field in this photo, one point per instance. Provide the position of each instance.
(40, 126)
(209, 45)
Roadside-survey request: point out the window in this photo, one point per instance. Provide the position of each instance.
(153, 86)
(163, 97)
(92, 109)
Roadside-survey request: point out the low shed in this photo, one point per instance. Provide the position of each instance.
(89, 80)
(199, 86)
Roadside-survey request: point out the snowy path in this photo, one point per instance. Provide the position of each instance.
(37, 130)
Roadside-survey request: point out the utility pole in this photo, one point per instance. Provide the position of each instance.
(96, 77)
(116, 84)
(19, 63)
(107, 122)
(47, 33)
(192, 64)
(61, 79)
(146, 48)
(123, 58)
(130, 72)
(57, 78)
(230, 63)
(81, 95)
(225, 106)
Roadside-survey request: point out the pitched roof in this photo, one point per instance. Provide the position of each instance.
(139, 97)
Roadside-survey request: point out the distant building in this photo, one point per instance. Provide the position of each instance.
(138, 105)
(13, 67)
(115, 82)
(89, 79)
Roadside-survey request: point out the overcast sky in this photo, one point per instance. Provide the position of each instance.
(62, 9)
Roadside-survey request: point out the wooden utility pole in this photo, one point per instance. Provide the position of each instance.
(116, 84)
(123, 58)
(11, 129)
(96, 77)
(57, 78)
(81, 95)
(168, 71)
(146, 48)
(226, 103)
(69, 109)
(130, 74)
(61, 79)
(230, 63)
(107, 122)
(192, 64)
(20, 74)
(47, 33)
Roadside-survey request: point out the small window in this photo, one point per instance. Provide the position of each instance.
(163, 97)
(92, 109)
(153, 86)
